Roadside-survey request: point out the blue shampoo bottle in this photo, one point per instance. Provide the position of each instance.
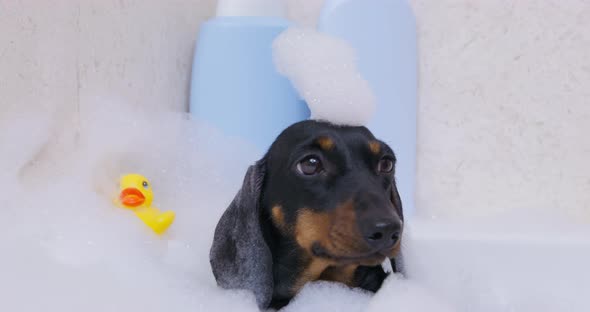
(234, 84)
(383, 33)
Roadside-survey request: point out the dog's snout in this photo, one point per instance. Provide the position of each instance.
(378, 222)
(382, 234)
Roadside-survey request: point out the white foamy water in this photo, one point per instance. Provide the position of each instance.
(323, 70)
(67, 248)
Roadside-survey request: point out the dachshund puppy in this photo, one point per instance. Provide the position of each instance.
(322, 204)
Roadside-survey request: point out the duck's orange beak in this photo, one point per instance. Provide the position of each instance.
(131, 197)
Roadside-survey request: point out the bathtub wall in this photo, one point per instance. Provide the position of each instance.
(504, 88)
(62, 55)
(504, 109)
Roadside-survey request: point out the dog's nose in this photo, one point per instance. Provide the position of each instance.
(383, 234)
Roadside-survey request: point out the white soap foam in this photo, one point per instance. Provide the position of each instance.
(323, 70)
(65, 247)
(326, 297)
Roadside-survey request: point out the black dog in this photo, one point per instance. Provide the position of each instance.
(322, 204)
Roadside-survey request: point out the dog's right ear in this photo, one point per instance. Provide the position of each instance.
(239, 256)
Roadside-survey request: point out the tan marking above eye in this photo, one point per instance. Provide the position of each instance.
(375, 147)
(325, 143)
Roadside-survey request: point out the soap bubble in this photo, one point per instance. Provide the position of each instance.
(323, 70)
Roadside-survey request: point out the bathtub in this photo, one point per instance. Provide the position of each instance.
(482, 268)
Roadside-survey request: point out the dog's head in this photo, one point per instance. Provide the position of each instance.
(333, 189)
(329, 188)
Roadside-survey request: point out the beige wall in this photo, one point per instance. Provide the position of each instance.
(504, 87)
(59, 55)
(504, 108)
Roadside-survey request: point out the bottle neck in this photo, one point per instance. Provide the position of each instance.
(267, 8)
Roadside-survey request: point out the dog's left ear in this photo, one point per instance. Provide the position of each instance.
(397, 201)
(239, 256)
(397, 262)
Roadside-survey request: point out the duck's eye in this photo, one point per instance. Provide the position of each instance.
(310, 165)
(385, 165)
(145, 184)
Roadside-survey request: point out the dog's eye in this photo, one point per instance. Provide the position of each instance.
(309, 165)
(385, 165)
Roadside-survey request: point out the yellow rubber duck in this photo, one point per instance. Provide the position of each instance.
(136, 194)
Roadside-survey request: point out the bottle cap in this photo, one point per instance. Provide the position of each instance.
(274, 8)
